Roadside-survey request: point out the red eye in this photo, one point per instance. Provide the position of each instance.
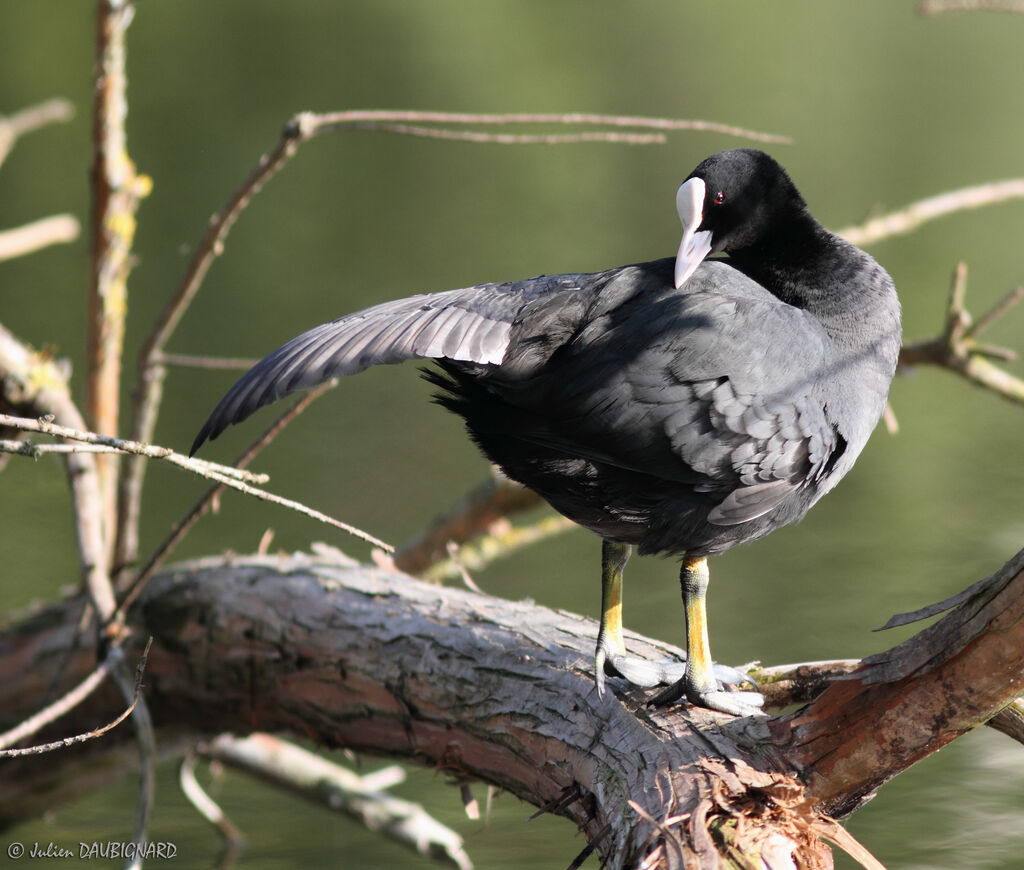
(719, 198)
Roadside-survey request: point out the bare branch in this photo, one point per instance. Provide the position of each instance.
(184, 525)
(288, 766)
(37, 451)
(958, 350)
(931, 8)
(943, 681)
(202, 467)
(493, 500)
(71, 700)
(116, 190)
(908, 219)
(13, 127)
(511, 138)
(58, 708)
(357, 117)
(206, 806)
(145, 739)
(39, 234)
(34, 383)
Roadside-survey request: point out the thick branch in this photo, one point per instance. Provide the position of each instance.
(481, 688)
(912, 700)
(502, 692)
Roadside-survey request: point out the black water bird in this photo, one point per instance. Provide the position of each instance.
(681, 406)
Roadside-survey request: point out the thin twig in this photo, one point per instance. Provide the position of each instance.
(994, 313)
(97, 676)
(453, 555)
(510, 138)
(145, 739)
(13, 127)
(205, 362)
(298, 507)
(39, 234)
(929, 8)
(206, 806)
(202, 467)
(958, 350)
(58, 708)
(184, 525)
(908, 219)
(351, 118)
(37, 451)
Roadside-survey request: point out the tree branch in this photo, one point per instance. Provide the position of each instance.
(904, 704)
(359, 797)
(908, 219)
(39, 234)
(13, 127)
(931, 8)
(958, 349)
(502, 692)
(117, 190)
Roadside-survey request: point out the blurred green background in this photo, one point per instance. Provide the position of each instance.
(884, 108)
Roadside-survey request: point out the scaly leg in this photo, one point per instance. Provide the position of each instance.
(699, 684)
(611, 658)
(610, 646)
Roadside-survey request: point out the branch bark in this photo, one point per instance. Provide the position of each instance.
(502, 692)
(117, 190)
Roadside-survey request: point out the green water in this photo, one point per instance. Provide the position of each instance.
(884, 108)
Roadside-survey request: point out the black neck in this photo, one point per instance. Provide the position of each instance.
(805, 265)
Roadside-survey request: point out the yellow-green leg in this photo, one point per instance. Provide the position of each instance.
(610, 646)
(699, 684)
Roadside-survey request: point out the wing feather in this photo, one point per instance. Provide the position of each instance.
(471, 325)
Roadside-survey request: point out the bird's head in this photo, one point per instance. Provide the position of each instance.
(732, 201)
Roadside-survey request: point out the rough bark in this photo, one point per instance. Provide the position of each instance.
(502, 692)
(484, 689)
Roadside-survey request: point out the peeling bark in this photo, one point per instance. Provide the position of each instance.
(502, 692)
(484, 689)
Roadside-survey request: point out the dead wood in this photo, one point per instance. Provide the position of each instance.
(502, 692)
(480, 688)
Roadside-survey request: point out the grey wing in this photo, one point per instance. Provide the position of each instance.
(471, 324)
(758, 432)
(762, 451)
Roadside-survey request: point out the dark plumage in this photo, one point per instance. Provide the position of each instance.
(682, 406)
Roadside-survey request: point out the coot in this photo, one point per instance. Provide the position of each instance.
(680, 406)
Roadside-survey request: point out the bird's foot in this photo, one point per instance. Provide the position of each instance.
(644, 674)
(713, 698)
